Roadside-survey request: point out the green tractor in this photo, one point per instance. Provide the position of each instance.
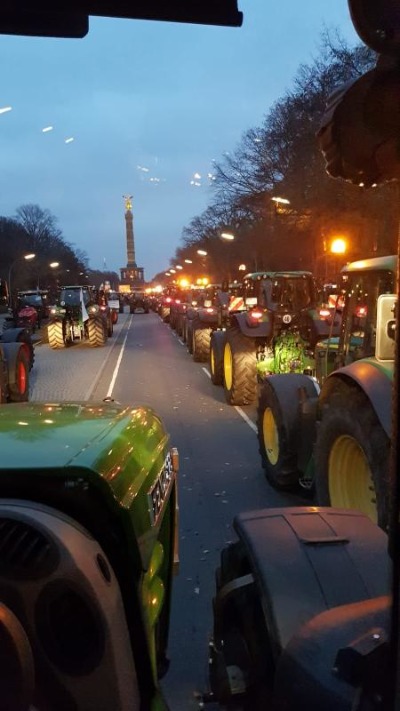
(332, 431)
(277, 333)
(79, 315)
(88, 515)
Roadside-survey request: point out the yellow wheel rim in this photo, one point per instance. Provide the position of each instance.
(271, 437)
(212, 361)
(350, 480)
(228, 366)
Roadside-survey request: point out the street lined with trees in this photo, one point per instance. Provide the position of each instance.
(274, 195)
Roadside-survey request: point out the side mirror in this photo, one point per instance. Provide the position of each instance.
(386, 327)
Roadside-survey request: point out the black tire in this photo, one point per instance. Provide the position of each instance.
(216, 357)
(279, 428)
(20, 335)
(352, 456)
(184, 328)
(55, 334)
(164, 314)
(96, 332)
(189, 336)
(172, 320)
(18, 372)
(240, 633)
(110, 326)
(240, 368)
(201, 342)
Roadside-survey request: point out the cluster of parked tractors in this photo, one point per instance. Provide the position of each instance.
(320, 376)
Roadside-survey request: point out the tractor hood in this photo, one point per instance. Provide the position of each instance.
(99, 462)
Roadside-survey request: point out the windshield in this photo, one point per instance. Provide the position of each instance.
(72, 297)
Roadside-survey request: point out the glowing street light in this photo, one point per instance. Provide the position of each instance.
(178, 266)
(28, 258)
(242, 267)
(281, 200)
(188, 261)
(202, 252)
(54, 265)
(338, 246)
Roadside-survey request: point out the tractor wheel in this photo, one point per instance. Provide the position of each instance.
(201, 343)
(278, 428)
(18, 374)
(240, 368)
(352, 457)
(240, 635)
(109, 326)
(216, 359)
(184, 329)
(172, 320)
(20, 335)
(55, 333)
(189, 336)
(96, 332)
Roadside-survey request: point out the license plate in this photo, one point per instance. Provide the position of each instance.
(159, 493)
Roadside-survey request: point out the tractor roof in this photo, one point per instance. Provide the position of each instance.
(256, 276)
(388, 263)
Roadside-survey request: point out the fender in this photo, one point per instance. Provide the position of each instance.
(374, 379)
(262, 330)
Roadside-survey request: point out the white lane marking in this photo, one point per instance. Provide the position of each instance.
(181, 342)
(105, 361)
(247, 419)
(116, 369)
(238, 409)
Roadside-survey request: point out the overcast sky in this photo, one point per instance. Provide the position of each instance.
(148, 105)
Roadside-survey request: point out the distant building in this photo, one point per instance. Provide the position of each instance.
(131, 275)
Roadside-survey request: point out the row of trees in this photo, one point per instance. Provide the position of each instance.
(34, 231)
(281, 159)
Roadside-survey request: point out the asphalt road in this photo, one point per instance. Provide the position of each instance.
(220, 472)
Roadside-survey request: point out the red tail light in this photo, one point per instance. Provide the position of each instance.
(210, 310)
(256, 315)
(177, 301)
(324, 313)
(361, 311)
(168, 300)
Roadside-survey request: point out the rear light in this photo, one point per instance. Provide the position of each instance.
(168, 300)
(324, 313)
(194, 303)
(256, 315)
(361, 311)
(177, 301)
(210, 310)
(103, 308)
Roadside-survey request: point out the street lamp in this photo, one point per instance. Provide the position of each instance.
(281, 200)
(338, 248)
(202, 252)
(28, 258)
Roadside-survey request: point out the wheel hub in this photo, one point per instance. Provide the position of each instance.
(270, 436)
(350, 480)
(228, 366)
